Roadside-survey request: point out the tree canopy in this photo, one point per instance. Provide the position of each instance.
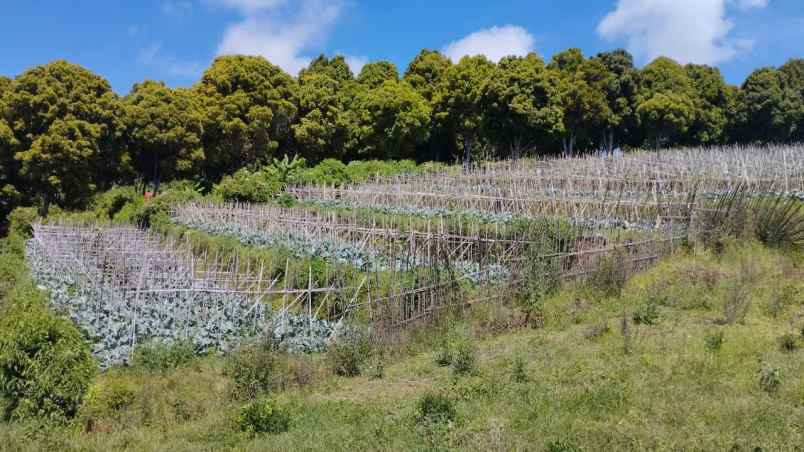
(65, 135)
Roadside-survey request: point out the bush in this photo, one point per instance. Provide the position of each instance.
(256, 369)
(435, 408)
(263, 416)
(20, 221)
(519, 372)
(45, 364)
(714, 341)
(463, 361)
(158, 355)
(248, 186)
(108, 204)
(328, 172)
(106, 399)
(769, 379)
(348, 354)
(609, 275)
(646, 314)
(788, 343)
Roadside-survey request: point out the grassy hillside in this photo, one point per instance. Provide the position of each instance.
(699, 353)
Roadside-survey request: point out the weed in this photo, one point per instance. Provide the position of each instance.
(519, 372)
(349, 354)
(435, 407)
(770, 379)
(263, 416)
(788, 343)
(596, 330)
(714, 341)
(646, 314)
(465, 356)
(255, 369)
(560, 446)
(157, 355)
(736, 305)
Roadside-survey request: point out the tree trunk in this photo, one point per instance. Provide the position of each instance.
(467, 150)
(156, 174)
(45, 208)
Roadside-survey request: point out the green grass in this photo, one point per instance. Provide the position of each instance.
(658, 386)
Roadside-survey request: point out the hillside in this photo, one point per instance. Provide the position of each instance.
(699, 353)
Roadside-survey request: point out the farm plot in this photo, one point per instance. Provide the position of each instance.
(125, 286)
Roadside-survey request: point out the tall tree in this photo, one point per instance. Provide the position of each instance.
(582, 91)
(248, 110)
(459, 101)
(323, 123)
(391, 120)
(336, 68)
(376, 73)
(766, 108)
(712, 101)
(64, 120)
(163, 129)
(665, 106)
(425, 72)
(621, 91)
(522, 105)
(793, 79)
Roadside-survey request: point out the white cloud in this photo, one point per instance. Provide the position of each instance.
(689, 31)
(494, 43)
(153, 56)
(283, 32)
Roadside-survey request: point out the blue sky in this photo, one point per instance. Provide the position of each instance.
(174, 40)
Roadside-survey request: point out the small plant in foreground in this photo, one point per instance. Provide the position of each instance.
(769, 379)
(255, 369)
(465, 356)
(349, 354)
(646, 314)
(435, 408)
(714, 341)
(788, 343)
(560, 446)
(158, 355)
(263, 416)
(519, 372)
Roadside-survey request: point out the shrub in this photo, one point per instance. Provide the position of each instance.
(714, 341)
(328, 172)
(263, 416)
(610, 274)
(435, 407)
(248, 186)
(646, 314)
(256, 369)
(106, 399)
(158, 355)
(348, 354)
(780, 222)
(788, 343)
(463, 361)
(109, 203)
(769, 379)
(20, 221)
(45, 364)
(737, 304)
(519, 373)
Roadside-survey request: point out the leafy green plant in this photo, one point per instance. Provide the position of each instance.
(714, 341)
(255, 369)
(159, 355)
(349, 354)
(21, 219)
(248, 186)
(45, 363)
(519, 371)
(263, 416)
(463, 361)
(435, 407)
(770, 378)
(789, 343)
(646, 314)
(328, 172)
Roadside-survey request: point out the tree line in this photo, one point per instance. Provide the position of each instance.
(65, 135)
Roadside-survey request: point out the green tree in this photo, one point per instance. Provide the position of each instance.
(712, 101)
(522, 105)
(459, 101)
(766, 108)
(64, 119)
(390, 121)
(621, 91)
(248, 112)
(582, 92)
(793, 79)
(665, 106)
(336, 68)
(376, 73)
(324, 120)
(426, 71)
(163, 130)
